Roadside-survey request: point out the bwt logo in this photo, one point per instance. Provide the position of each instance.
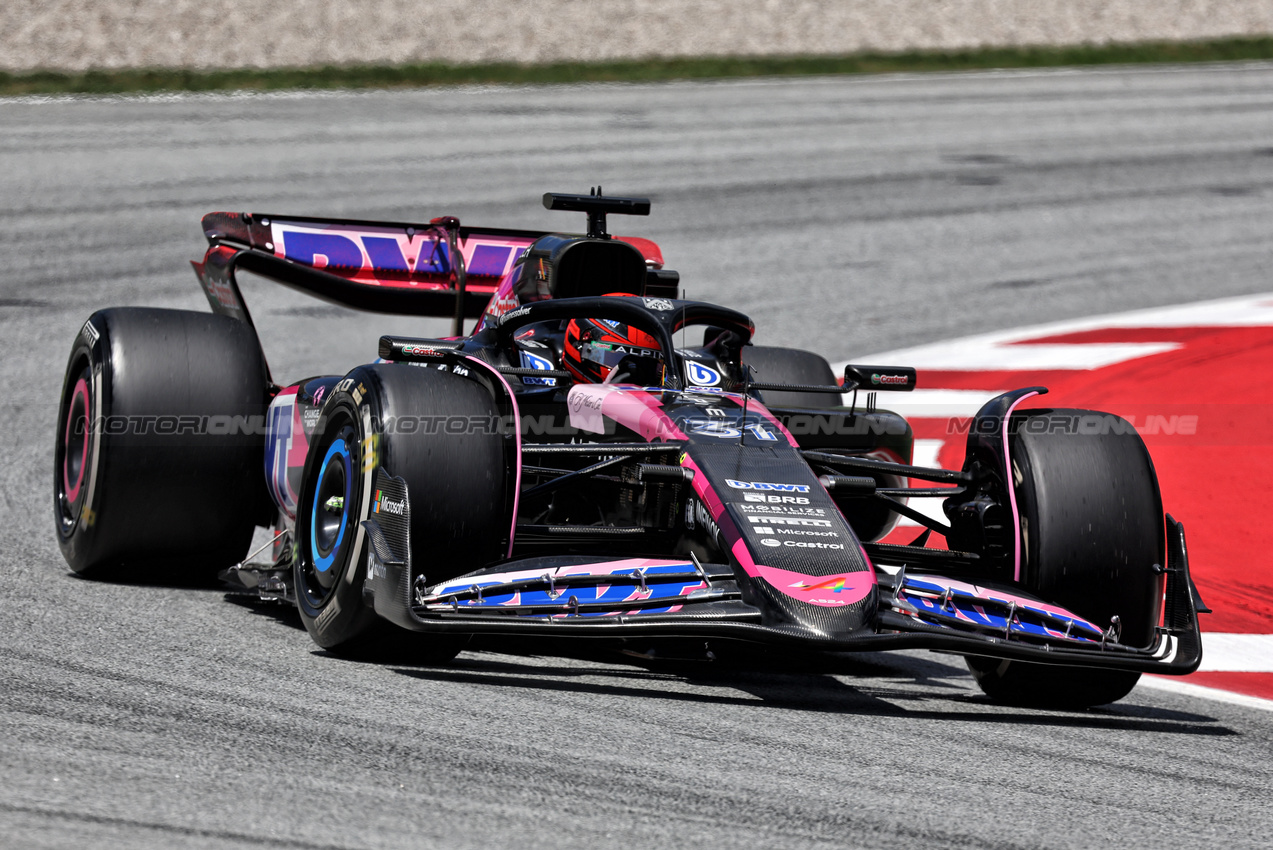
(350, 250)
(765, 485)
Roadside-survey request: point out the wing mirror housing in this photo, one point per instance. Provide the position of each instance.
(896, 379)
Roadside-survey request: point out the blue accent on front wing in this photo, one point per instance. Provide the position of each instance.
(336, 449)
(674, 592)
(974, 610)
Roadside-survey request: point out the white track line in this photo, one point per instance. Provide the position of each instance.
(1187, 689)
(1244, 311)
(981, 355)
(937, 404)
(1236, 653)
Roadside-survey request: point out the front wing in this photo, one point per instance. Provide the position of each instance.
(630, 597)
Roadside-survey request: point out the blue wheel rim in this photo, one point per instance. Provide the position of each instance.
(337, 450)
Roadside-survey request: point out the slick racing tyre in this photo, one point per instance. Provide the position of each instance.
(1047, 685)
(159, 452)
(1092, 533)
(426, 427)
(772, 365)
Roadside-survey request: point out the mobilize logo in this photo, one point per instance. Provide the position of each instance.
(765, 485)
(786, 510)
(386, 505)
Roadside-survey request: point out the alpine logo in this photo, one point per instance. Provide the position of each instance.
(765, 485)
(386, 505)
(700, 375)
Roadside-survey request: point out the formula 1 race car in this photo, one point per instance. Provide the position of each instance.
(601, 458)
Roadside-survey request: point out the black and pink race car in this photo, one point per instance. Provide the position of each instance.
(600, 458)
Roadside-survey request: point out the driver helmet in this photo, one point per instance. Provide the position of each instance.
(594, 350)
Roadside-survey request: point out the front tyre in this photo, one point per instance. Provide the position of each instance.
(439, 433)
(1092, 535)
(1047, 685)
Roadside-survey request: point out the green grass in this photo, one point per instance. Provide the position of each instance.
(402, 76)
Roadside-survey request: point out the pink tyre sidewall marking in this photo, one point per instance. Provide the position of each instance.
(80, 392)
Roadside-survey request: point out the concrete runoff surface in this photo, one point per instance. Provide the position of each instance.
(847, 215)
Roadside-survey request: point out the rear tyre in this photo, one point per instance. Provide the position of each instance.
(158, 456)
(1091, 534)
(404, 419)
(775, 365)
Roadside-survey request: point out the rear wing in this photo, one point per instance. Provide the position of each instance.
(382, 267)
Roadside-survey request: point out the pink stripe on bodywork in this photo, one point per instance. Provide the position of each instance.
(517, 434)
(704, 490)
(633, 409)
(1012, 490)
(743, 554)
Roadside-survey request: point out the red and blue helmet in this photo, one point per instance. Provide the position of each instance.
(594, 347)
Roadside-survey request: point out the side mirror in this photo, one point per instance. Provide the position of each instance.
(898, 379)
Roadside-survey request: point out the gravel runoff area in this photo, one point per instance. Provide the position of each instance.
(78, 35)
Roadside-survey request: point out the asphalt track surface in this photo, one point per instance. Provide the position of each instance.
(849, 215)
